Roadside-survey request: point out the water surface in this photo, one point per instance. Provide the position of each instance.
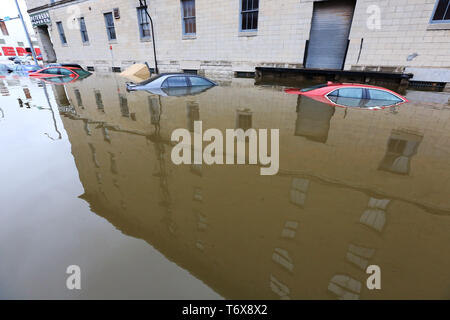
(93, 184)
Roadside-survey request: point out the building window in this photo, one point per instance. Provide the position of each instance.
(62, 36)
(144, 23)
(110, 29)
(441, 12)
(188, 13)
(249, 15)
(4, 28)
(83, 30)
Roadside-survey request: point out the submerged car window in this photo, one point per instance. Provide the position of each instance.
(197, 81)
(58, 71)
(382, 95)
(347, 102)
(372, 103)
(65, 72)
(174, 82)
(356, 93)
(81, 72)
(50, 71)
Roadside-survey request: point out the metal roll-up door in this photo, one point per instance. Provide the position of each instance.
(330, 29)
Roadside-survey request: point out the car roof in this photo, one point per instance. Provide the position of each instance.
(158, 79)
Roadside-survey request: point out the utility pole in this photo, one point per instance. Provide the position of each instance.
(143, 5)
(33, 53)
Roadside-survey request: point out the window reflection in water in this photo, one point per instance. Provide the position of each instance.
(402, 147)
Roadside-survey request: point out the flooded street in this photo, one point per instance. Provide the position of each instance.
(88, 180)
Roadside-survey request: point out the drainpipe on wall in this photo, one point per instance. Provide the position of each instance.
(143, 5)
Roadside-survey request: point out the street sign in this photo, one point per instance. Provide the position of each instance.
(40, 18)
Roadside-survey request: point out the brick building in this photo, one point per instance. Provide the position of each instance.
(224, 37)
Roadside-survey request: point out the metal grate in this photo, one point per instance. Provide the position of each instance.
(244, 74)
(427, 85)
(190, 71)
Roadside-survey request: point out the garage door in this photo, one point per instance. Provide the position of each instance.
(330, 29)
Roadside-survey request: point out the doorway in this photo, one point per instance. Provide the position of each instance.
(48, 52)
(330, 29)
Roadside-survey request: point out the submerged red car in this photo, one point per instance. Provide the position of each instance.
(352, 95)
(61, 72)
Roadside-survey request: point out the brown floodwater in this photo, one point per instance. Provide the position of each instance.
(87, 179)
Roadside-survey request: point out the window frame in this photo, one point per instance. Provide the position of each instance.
(365, 97)
(109, 27)
(242, 12)
(398, 99)
(83, 32)
(432, 21)
(62, 34)
(141, 23)
(185, 18)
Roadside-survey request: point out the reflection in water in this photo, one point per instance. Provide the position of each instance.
(99, 101)
(310, 231)
(402, 146)
(313, 119)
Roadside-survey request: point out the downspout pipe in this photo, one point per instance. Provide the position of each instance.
(143, 5)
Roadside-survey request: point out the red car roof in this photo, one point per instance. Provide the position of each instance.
(320, 93)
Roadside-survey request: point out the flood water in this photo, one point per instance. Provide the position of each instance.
(87, 179)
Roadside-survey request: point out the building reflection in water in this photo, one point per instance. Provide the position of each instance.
(313, 119)
(402, 146)
(309, 232)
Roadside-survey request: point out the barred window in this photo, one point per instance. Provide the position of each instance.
(144, 23)
(188, 12)
(62, 35)
(441, 12)
(249, 15)
(110, 29)
(83, 30)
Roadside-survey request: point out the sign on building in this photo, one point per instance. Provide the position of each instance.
(40, 18)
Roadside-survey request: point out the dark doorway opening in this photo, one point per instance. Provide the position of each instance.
(329, 37)
(48, 52)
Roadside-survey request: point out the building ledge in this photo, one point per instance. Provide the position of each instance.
(439, 26)
(49, 5)
(189, 37)
(248, 33)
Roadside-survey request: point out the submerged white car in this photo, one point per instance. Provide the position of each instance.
(173, 84)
